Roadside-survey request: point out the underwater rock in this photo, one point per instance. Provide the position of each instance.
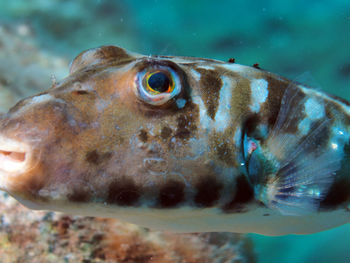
(38, 236)
(25, 69)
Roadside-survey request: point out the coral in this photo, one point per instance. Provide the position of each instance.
(37, 236)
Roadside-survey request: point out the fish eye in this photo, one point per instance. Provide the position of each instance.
(156, 86)
(158, 82)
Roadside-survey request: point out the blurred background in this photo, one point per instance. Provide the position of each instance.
(303, 40)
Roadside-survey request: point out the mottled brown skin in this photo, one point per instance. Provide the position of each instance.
(98, 154)
(89, 149)
(94, 140)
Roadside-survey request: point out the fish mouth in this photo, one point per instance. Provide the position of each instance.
(14, 156)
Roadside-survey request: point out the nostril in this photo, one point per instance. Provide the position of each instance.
(12, 156)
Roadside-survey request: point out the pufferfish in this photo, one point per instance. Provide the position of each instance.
(180, 144)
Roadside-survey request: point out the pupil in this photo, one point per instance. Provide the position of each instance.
(159, 82)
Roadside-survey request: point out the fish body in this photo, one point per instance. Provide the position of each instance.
(181, 144)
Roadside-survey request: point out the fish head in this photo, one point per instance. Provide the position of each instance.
(121, 129)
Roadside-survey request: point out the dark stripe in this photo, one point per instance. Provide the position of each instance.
(123, 192)
(292, 108)
(244, 195)
(210, 85)
(208, 191)
(79, 195)
(241, 96)
(171, 194)
(93, 157)
(272, 105)
(251, 125)
(338, 194)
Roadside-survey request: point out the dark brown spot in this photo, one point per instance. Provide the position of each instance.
(231, 60)
(244, 195)
(208, 191)
(80, 92)
(171, 194)
(166, 132)
(92, 157)
(185, 126)
(123, 192)
(79, 195)
(338, 194)
(210, 85)
(95, 158)
(182, 128)
(143, 135)
(251, 125)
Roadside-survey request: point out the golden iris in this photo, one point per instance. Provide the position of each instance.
(159, 82)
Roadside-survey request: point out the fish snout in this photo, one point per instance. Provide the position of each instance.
(21, 132)
(21, 171)
(24, 132)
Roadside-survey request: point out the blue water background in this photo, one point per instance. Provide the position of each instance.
(302, 40)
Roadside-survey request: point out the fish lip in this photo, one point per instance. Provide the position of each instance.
(14, 157)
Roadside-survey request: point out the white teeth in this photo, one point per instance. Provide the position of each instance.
(14, 156)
